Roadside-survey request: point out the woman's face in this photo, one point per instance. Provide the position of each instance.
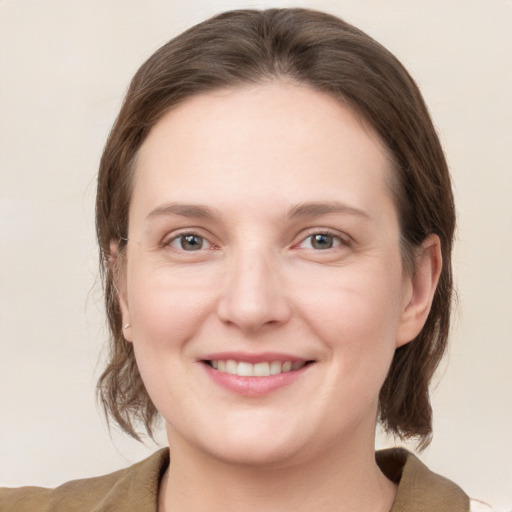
(264, 240)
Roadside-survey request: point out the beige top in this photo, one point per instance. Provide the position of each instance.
(136, 488)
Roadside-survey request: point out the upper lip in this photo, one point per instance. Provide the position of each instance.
(263, 357)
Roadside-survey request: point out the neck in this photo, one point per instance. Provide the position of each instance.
(344, 480)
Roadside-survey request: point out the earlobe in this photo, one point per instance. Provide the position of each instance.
(119, 284)
(420, 290)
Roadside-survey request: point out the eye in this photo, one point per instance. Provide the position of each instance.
(321, 241)
(189, 242)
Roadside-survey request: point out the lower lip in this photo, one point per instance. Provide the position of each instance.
(254, 386)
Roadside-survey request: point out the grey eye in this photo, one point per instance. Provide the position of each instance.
(322, 241)
(188, 242)
(191, 242)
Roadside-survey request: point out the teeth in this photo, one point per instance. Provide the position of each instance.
(275, 367)
(231, 367)
(261, 369)
(244, 369)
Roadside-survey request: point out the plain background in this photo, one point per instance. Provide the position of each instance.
(64, 66)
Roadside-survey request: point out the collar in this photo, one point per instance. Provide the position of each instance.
(419, 489)
(138, 486)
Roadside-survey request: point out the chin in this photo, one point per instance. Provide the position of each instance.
(256, 454)
(257, 443)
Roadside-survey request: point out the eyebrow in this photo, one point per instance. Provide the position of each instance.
(184, 210)
(308, 209)
(313, 209)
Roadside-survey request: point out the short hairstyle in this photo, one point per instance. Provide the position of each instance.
(316, 49)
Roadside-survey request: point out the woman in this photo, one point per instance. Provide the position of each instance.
(275, 221)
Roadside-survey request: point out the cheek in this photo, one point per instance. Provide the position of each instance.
(166, 312)
(356, 313)
(167, 308)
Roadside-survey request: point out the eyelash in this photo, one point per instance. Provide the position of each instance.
(338, 240)
(342, 241)
(181, 236)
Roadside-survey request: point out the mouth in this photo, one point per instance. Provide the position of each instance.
(260, 369)
(255, 375)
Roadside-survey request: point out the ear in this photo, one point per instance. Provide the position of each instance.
(419, 289)
(118, 270)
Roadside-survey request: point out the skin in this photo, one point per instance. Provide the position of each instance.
(251, 158)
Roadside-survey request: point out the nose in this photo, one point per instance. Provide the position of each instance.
(253, 296)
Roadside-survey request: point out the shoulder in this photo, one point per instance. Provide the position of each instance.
(419, 487)
(134, 486)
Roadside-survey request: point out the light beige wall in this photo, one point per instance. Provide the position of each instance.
(64, 66)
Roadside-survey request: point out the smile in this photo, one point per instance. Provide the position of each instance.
(262, 369)
(255, 375)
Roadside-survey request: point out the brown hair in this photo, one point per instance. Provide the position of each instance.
(326, 53)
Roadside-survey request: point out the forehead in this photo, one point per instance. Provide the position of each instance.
(266, 141)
